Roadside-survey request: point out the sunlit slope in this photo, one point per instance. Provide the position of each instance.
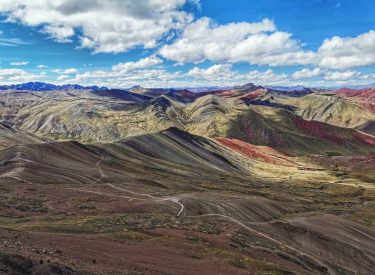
(298, 124)
(334, 110)
(275, 127)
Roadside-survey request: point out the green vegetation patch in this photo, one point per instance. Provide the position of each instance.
(119, 223)
(23, 204)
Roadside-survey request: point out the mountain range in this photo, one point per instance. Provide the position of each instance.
(41, 86)
(246, 179)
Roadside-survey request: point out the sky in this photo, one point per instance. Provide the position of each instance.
(188, 43)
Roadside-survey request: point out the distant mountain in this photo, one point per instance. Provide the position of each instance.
(182, 95)
(41, 86)
(287, 88)
(249, 87)
(368, 93)
(294, 91)
(237, 91)
(206, 89)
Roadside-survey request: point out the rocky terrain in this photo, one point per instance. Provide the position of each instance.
(242, 180)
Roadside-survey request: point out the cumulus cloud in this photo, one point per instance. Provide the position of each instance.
(11, 76)
(307, 73)
(348, 52)
(19, 63)
(140, 64)
(145, 77)
(103, 26)
(65, 71)
(62, 77)
(332, 76)
(268, 77)
(126, 74)
(60, 33)
(255, 43)
(215, 72)
(262, 44)
(223, 74)
(120, 25)
(70, 71)
(339, 75)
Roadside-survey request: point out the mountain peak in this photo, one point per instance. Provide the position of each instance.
(247, 87)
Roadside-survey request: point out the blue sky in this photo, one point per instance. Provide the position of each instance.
(155, 43)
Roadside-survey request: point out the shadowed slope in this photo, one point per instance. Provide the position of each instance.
(178, 146)
(57, 163)
(10, 137)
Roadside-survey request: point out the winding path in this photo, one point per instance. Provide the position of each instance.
(171, 199)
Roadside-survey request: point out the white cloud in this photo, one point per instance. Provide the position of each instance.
(268, 77)
(145, 72)
(11, 42)
(222, 74)
(125, 74)
(215, 72)
(261, 44)
(70, 71)
(332, 77)
(42, 66)
(140, 64)
(12, 76)
(255, 43)
(103, 26)
(348, 52)
(19, 63)
(339, 75)
(60, 34)
(307, 73)
(62, 77)
(145, 77)
(65, 71)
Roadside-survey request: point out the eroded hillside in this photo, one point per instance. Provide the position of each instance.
(241, 181)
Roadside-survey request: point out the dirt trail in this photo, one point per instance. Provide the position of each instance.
(176, 200)
(171, 199)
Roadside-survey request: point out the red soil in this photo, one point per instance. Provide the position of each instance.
(252, 95)
(269, 136)
(226, 93)
(359, 164)
(365, 97)
(265, 154)
(317, 129)
(369, 106)
(367, 159)
(188, 94)
(361, 137)
(364, 93)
